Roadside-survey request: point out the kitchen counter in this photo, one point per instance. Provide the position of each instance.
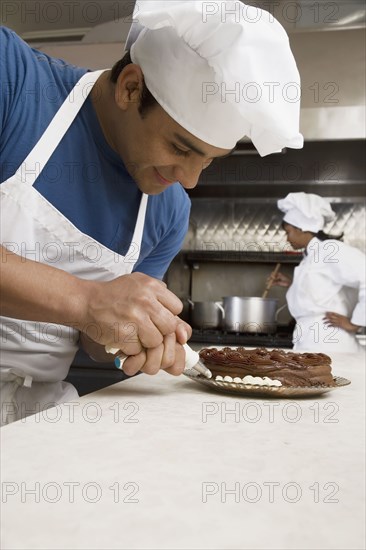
(160, 462)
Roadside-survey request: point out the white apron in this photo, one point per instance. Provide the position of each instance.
(35, 357)
(304, 299)
(312, 334)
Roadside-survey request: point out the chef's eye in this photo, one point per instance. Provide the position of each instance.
(180, 152)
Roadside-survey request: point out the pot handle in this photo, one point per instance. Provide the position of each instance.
(279, 311)
(218, 304)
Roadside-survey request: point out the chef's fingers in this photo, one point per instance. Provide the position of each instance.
(330, 316)
(130, 344)
(179, 362)
(149, 331)
(126, 339)
(153, 361)
(131, 340)
(168, 299)
(164, 357)
(152, 322)
(339, 321)
(166, 323)
(162, 310)
(332, 319)
(169, 356)
(274, 277)
(134, 363)
(152, 328)
(174, 356)
(282, 280)
(183, 332)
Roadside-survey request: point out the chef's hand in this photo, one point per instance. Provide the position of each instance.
(133, 313)
(280, 280)
(169, 356)
(332, 319)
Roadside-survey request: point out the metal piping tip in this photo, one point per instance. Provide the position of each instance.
(203, 370)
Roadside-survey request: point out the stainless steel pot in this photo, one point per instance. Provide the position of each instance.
(205, 315)
(250, 314)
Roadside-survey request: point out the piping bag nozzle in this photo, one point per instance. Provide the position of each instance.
(192, 360)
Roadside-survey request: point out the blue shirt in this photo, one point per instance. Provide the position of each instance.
(84, 179)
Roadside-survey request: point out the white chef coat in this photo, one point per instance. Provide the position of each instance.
(35, 357)
(331, 277)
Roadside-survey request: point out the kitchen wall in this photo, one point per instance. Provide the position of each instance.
(332, 69)
(254, 224)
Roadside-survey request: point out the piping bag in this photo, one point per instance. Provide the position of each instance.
(192, 360)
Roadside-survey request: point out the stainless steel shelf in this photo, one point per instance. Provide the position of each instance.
(233, 256)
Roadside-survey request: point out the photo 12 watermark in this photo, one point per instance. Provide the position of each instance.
(253, 170)
(271, 492)
(324, 13)
(53, 492)
(91, 412)
(55, 252)
(67, 12)
(21, 332)
(253, 412)
(325, 253)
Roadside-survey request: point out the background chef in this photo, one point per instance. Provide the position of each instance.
(82, 256)
(327, 295)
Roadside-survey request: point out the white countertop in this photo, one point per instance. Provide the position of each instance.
(159, 462)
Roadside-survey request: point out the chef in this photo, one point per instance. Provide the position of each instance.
(327, 296)
(94, 171)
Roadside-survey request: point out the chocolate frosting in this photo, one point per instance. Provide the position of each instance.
(292, 369)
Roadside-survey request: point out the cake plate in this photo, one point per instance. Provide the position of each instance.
(268, 391)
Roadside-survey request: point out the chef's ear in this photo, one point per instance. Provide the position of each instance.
(129, 86)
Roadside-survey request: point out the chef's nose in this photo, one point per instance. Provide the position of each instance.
(189, 183)
(189, 174)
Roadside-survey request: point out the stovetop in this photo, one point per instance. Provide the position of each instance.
(281, 339)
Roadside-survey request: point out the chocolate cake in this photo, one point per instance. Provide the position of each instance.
(268, 367)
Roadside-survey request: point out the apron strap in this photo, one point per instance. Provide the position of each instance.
(135, 247)
(35, 162)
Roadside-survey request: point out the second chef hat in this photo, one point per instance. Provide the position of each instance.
(222, 70)
(306, 211)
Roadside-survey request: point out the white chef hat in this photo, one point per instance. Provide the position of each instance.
(306, 211)
(222, 70)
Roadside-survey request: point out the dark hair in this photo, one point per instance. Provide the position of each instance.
(325, 236)
(320, 235)
(147, 100)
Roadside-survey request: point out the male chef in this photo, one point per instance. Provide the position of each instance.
(94, 171)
